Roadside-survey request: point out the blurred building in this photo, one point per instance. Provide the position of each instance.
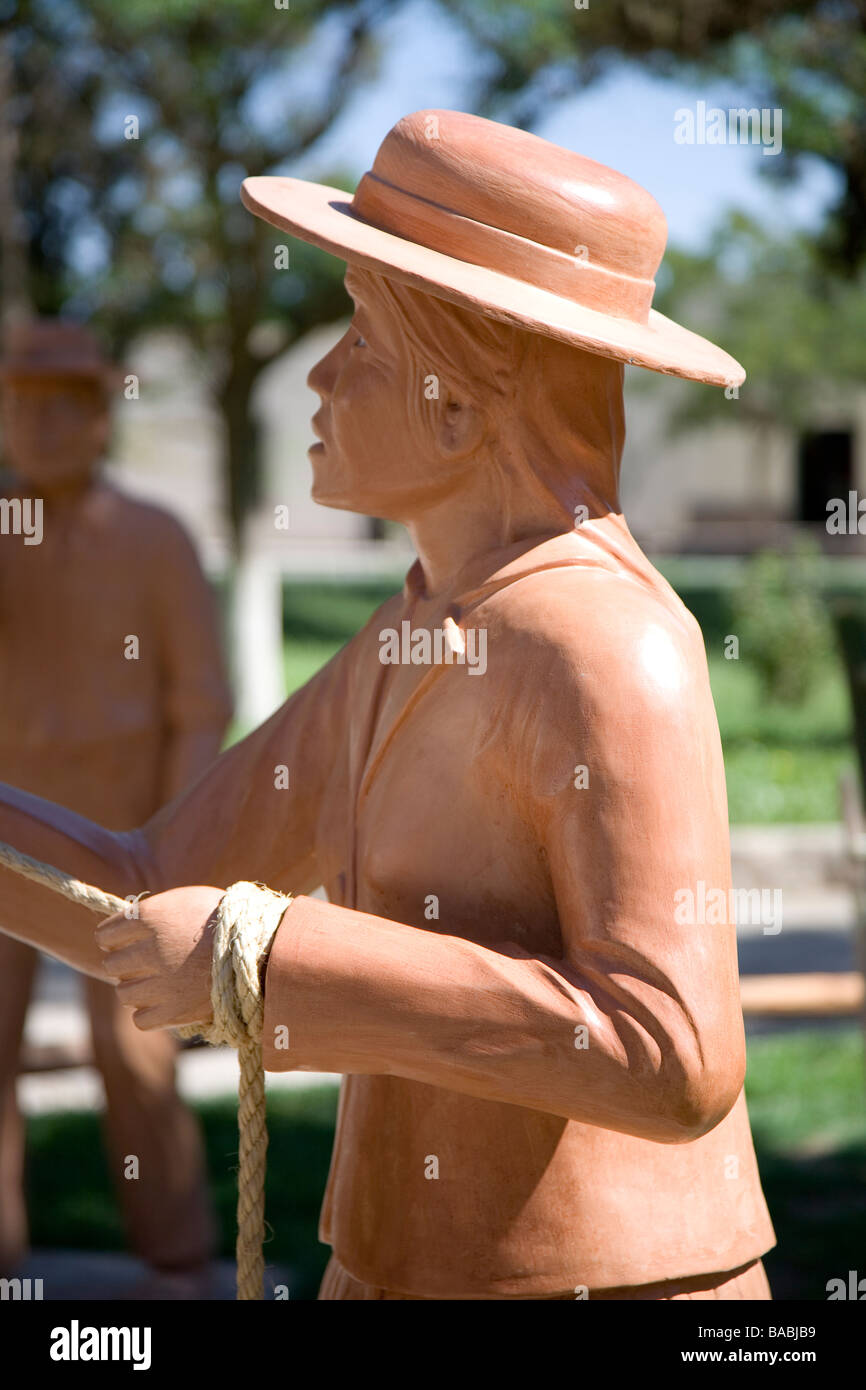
(731, 489)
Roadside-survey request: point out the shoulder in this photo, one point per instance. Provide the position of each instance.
(583, 630)
(605, 674)
(384, 619)
(149, 526)
(148, 517)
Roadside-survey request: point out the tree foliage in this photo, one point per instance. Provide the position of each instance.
(143, 231)
(136, 125)
(772, 302)
(806, 56)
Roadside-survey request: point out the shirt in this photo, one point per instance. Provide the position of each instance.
(543, 1063)
(109, 648)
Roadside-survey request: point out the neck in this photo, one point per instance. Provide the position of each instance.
(496, 508)
(447, 538)
(57, 496)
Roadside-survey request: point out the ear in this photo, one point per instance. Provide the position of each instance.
(460, 428)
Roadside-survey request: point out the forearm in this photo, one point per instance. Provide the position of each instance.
(239, 820)
(79, 847)
(354, 993)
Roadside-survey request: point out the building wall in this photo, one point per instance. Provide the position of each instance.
(669, 478)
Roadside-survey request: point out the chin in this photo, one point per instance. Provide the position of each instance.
(340, 500)
(334, 492)
(333, 488)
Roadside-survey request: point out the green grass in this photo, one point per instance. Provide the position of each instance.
(72, 1203)
(746, 716)
(332, 613)
(807, 1090)
(806, 1101)
(303, 658)
(782, 785)
(782, 762)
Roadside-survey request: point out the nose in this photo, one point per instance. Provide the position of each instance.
(322, 376)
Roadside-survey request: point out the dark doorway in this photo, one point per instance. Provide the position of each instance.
(825, 470)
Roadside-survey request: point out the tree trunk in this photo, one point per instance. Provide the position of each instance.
(256, 618)
(14, 298)
(242, 459)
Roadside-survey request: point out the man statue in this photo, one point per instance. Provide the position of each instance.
(543, 1063)
(112, 700)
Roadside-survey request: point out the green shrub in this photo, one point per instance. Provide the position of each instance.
(779, 617)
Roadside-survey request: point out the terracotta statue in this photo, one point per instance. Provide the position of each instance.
(503, 781)
(112, 700)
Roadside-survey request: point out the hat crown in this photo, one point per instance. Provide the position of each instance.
(570, 224)
(509, 226)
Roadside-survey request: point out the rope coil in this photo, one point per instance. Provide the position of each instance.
(246, 922)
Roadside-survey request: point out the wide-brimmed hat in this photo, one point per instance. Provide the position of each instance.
(48, 348)
(510, 226)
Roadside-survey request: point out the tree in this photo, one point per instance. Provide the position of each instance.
(806, 56)
(801, 334)
(137, 124)
(773, 303)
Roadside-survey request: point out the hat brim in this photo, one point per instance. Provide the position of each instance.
(324, 216)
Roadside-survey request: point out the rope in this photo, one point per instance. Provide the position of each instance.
(247, 919)
(246, 922)
(58, 882)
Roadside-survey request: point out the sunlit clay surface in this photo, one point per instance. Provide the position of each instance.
(659, 660)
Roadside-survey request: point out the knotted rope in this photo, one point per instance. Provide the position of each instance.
(246, 922)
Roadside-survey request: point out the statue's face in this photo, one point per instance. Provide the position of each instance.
(54, 429)
(384, 448)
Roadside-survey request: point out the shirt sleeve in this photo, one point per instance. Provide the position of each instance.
(636, 1025)
(253, 814)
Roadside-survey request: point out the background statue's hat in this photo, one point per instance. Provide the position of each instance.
(510, 226)
(45, 348)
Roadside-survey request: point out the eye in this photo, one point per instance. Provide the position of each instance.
(360, 342)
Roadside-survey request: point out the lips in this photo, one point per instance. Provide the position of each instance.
(316, 426)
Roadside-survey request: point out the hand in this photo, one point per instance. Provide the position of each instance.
(161, 959)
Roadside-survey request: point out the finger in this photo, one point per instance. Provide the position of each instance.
(155, 1016)
(139, 994)
(130, 962)
(117, 931)
(147, 1019)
